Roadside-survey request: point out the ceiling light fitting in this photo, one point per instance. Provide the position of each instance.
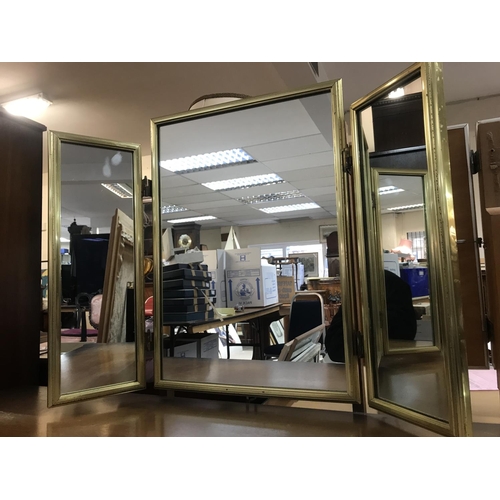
(406, 207)
(399, 92)
(289, 208)
(27, 106)
(264, 198)
(172, 209)
(244, 182)
(207, 161)
(389, 190)
(192, 219)
(121, 190)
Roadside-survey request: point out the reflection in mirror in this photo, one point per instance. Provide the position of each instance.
(252, 187)
(404, 244)
(407, 366)
(97, 312)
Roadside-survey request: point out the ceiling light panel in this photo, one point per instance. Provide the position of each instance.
(244, 182)
(172, 209)
(192, 219)
(389, 190)
(290, 208)
(207, 161)
(230, 172)
(121, 190)
(266, 198)
(406, 207)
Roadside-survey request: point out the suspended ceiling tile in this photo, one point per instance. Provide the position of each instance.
(172, 197)
(312, 192)
(301, 162)
(313, 182)
(305, 173)
(208, 205)
(289, 148)
(174, 181)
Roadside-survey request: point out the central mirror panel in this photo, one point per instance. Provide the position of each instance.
(251, 273)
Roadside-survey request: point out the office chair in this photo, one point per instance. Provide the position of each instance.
(306, 312)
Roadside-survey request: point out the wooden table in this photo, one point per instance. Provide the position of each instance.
(259, 318)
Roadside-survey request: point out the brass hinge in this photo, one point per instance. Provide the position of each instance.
(358, 344)
(347, 160)
(475, 164)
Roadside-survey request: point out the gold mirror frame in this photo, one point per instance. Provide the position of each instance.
(442, 248)
(344, 217)
(54, 396)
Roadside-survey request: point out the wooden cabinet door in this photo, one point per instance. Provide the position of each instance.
(468, 250)
(488, 147)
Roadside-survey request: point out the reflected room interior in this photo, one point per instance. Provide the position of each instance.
(259, 183)
(97, 334)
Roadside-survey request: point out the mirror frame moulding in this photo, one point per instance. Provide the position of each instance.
(54, 395)
(442, 247)
(387, 350)
(334, 87)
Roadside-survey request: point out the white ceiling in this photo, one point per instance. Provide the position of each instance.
(117, 100)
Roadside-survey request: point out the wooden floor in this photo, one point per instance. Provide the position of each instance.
(24, 412)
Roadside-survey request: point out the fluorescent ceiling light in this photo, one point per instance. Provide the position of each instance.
(64, 240)
(399, 92)
(121, 190)
(244, 182)
(289, 208)
(27, 106)
(192, 219)
(264, 198)
(407, 207)
(389, 190)
(172, 209)
(207, 161)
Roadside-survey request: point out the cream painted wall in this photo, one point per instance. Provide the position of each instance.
(395, 227)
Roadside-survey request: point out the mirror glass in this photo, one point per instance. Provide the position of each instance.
(254, 190)
(406, 363)
(404, 247)
(97, 311)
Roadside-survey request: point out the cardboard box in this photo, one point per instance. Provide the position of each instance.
(216, 263)
(286, 289)
(250, 281)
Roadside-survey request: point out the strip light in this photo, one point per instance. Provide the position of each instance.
(289, 208)
(407, 207)
(121, 190)
(207, 161)
(244, 182)
(192, 219)
(172, 209)
(389, 190)
(264, 198)
(27, 106)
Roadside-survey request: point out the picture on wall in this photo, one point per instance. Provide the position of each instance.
(310, 262)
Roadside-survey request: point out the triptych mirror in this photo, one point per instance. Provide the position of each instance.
(263, 170)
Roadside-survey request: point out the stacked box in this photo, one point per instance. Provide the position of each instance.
(186, 293)
(215, 260)
(249, 281)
